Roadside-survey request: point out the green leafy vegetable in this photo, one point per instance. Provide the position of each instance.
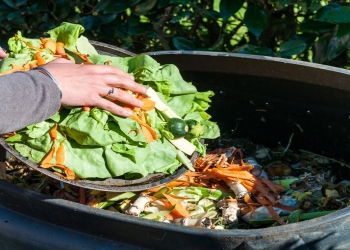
(99, 144)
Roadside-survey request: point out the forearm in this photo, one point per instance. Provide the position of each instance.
(26, 98)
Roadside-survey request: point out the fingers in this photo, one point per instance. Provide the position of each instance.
(112, 107)
(88, 85)
(125, 82)
(2, 53)
(124, 97)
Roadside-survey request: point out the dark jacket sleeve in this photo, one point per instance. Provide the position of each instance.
(26, 98)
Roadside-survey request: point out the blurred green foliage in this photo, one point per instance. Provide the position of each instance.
(308, 30)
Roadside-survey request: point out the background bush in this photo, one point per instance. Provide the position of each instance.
(309, 30)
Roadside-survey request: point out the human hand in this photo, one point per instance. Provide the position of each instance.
(87, 85)
(2, 53)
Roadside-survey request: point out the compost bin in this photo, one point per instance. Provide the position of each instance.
(261, 98)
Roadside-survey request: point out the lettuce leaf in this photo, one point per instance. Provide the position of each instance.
(99, 144)
(66, 33)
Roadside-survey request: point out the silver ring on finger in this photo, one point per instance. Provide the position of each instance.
(111, 91)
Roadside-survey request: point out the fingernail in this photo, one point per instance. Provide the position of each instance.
(132, 77)
(128, 112)
(141, 103)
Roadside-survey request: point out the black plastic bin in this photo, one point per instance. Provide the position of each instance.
(269, 98)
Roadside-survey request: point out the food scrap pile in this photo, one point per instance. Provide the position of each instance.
(227, 190)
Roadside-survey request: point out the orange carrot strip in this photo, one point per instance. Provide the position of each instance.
(147, 134)
(236, 167)
(142, 117)
(46, 161)
(15, 68)
(178, 207)
(60, 49)
(86, 108)
(70, 174)
(39, 59)
(53, 132)
(232, 174)
(155, 189)
(148, 104)
(153, 133)
(60, 157)
(32, 65)
(28, 44)
(49, 44)
(84, 58)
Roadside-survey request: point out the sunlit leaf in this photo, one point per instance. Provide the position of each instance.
(255, 19)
